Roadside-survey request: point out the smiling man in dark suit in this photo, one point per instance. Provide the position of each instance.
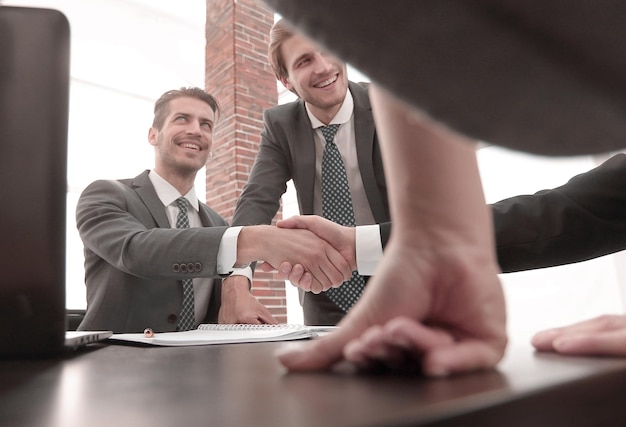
(154, 254)
(293, 144)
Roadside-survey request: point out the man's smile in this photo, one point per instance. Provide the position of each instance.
(191, 146)
(327, 82)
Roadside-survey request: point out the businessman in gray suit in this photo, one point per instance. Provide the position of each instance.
(154, 254)
(292, 147)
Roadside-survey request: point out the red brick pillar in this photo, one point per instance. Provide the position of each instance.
(239, 76)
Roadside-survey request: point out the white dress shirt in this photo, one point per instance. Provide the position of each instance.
(346, 143)
(227, 253)
(369, 249)
(368, 245)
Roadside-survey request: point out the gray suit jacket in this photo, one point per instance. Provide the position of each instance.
(133, 257)
(287, 151)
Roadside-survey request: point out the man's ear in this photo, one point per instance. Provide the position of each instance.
(152, 135)
(286, 83)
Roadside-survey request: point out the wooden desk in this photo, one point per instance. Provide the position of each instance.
(243, 385)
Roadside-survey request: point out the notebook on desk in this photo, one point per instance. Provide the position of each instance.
(75, 339)
(210, 334)
(34, 100)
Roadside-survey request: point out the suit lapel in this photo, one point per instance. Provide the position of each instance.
(205, 217)
(145, 190)
(365, 137)
(364, 129)
(303, 146)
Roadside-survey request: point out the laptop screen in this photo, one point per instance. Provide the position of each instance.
(34, 99)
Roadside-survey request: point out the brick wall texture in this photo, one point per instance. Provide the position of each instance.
(239, 76)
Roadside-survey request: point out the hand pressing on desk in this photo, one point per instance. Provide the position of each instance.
(438, 277)
(438, 313)
(239, 305)
(601, 336)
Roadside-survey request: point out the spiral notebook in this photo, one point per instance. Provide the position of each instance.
(208, 334)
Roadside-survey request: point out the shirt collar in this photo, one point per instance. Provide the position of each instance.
(168, 194)
(342, 116)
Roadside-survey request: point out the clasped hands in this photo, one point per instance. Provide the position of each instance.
(340, 238)
(298, 253)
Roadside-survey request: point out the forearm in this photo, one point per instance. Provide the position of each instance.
(580, 220)
(260, 198)
(549, 229)
(111, 229)
(436, 194)
(233, 286)
(252, 244)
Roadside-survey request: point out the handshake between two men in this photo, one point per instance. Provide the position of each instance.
(331, 274)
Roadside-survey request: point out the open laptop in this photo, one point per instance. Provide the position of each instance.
(34, 104)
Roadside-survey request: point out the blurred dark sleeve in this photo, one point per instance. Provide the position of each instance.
(581, 220)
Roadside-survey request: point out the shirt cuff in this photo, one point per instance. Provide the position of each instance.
(227, 252)
(246, 272)
(369, 248)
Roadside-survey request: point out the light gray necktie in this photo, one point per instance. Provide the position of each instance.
(337, 207)
(186, 319)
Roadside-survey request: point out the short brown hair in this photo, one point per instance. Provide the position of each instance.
(161, 107)
(280, 32)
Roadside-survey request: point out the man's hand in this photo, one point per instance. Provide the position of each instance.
(600, 336)
(275, 246)
(438, 313)
(239, 305)
(295, 274)
(340, 237)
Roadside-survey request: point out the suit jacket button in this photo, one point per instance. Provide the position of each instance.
(183, 268)
(191, 267)
(176, 267)
(198, 266)
(172, 318)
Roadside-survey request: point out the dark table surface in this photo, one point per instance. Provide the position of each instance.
(243, 385)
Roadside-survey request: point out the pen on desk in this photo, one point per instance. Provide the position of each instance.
(148, 333)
